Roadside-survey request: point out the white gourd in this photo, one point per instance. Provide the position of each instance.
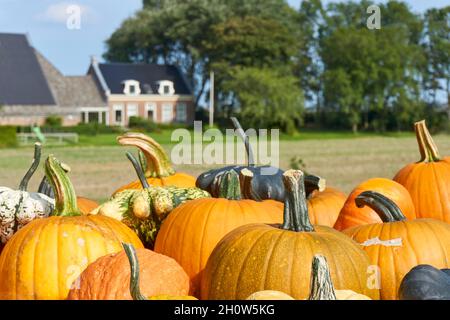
(19, 207)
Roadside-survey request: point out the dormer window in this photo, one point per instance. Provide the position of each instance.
(131, 87)
(166, 88)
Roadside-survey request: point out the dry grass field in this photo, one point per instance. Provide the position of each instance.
(98, 170)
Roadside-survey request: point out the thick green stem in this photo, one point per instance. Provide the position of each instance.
(246, 139)
(135, 291)
(296, 216)
(386, 209)
(321, 286)
(158, 163)
(229, 187)
(65, 197)
(314, 183)
(139, 171)
(428, 149)
(34, 165)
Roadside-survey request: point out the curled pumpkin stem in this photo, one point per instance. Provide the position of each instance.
(314, 183)
(158, 162)
(34, 165)
(427, 147)
(386, 209)
(135, 290)
(138, 168)
(246, 139)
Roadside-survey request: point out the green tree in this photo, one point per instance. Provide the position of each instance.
(266, 98)
(437, 49)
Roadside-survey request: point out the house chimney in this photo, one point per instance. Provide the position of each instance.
(94, 59)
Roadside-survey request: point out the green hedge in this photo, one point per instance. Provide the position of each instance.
(8, 136)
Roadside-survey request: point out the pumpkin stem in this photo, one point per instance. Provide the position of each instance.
(139, 171)
(158, 163)
(428, 149)
(245, 138)
(34, 165)
(46, 188)
(386, 209)
(313, 183)
(135, 291)
(247, 191)
(65, 197)
(229, 187)
(321, 286)
(296, 216)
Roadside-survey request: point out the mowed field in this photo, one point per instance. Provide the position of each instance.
(97, 171)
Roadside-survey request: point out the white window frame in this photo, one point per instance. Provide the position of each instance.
(136, 108)
(126, 87)
(164, 83)
(183, 107)
(117, 107)
(151, 106)
(164, 108)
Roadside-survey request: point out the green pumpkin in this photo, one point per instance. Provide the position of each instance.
(19, 207)
(144, 210)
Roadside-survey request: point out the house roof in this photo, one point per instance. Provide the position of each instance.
(71, 91)
(148, 76)
(22, 81)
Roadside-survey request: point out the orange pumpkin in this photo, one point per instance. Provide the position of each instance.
(86, 205)
(43, 258)
(398, 245)
(159, 171)
(351, 215)
(428, 180)
(192, 230)
(259, 256)
(108, 278)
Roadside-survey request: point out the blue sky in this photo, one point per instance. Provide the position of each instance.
(70, 49)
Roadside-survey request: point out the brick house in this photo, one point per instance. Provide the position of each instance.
(31, 89)
(156, 92)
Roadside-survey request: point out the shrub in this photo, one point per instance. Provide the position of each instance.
(141, 124)
(8, 136)
(53, 121)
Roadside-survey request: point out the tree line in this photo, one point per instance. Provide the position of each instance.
(320, 65)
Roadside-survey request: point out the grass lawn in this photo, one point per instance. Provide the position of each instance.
(99, 165)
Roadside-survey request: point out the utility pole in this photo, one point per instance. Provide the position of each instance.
(211, 99)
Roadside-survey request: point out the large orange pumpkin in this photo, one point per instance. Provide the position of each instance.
(159, 171)
(192, 230)
(108, 278)
(43, 258)
(351, 215)
(397, 245)
(428, 180)
(277, 257)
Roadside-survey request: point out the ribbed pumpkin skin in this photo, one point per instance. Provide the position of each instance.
(179, 179)
(352, 216)
(324, 207)
(108, 278)
(191, 231)
(42, 259)
(429, 186)
(259, 257)
(86, 205)
(424, 241)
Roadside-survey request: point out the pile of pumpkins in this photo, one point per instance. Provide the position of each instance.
(231, 233)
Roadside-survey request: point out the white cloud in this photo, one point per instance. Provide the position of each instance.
(60, 12)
